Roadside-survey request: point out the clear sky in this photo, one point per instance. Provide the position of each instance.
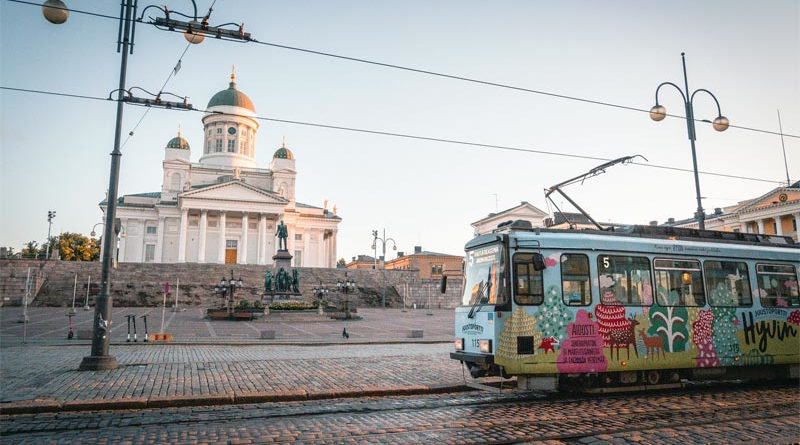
(54, 150)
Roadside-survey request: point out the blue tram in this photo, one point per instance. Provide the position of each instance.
(637, 306)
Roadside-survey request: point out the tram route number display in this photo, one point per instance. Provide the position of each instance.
(485, 255)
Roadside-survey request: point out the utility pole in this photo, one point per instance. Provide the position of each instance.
(50, 215)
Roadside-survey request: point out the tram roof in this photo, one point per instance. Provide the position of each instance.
(653, 239)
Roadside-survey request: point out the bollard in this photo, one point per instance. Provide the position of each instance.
(70, 334)
(133, 317)
(128, 340)
(144, 317)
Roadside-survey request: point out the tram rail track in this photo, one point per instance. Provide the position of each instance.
(494, 418)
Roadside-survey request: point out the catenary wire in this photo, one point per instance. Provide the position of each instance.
(417, 137)
(463, 78)
(481, 145)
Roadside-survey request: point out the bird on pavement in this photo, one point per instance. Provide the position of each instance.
(345, 334)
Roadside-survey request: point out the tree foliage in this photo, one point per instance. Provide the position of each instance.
(77, 247)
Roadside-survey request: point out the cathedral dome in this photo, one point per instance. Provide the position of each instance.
(232, 97)
(283, 153)
(178, 142)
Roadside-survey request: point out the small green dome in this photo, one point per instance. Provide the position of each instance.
(178, 142)
(232, 97)
(283, 153)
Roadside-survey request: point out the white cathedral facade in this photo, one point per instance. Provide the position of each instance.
(224, 208)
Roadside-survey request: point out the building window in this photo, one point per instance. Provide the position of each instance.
(231, 145)
(528, 285)
(436, 269)
(218, 145)
(149, 252)
(175, 181)
(298, 237)
(679, 283)
(624, 280)
(777, 285)
(152, 230)
(575, 286)
(219, 130)
(298, 258)
(727, 283)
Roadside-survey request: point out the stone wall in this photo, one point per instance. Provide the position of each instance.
(141, 284)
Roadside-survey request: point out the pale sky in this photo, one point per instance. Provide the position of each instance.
(54, 150)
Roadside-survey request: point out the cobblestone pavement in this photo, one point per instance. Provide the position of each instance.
(738, 414)
(48, 325)
(152, 372)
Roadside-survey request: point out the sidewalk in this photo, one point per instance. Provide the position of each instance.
(224, 362)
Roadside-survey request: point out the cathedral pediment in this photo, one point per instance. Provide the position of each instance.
(777, 197)
(234, 191)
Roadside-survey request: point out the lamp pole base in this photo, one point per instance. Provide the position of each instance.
(98, 363)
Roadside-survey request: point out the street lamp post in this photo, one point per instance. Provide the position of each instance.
(320, 293)
(346, 287)
(227, 288)
(55, 11)
(50, 215)
(721, 123)
(383, 240)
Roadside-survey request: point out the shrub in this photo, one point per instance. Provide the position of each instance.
(291, 306)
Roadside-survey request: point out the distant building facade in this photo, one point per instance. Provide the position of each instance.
(363, 262)
(776, 212)
(224, 208)
(429, 264)
(524, 211)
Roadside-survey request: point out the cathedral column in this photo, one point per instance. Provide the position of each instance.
(221, 252)
(796, 226)
(182, 236)
(760, 223)
(122, 241)
(201, 248)
(245, 229)
(321, 249)
(262, 238)
(778, 228)
(333, 248)
(160, 243)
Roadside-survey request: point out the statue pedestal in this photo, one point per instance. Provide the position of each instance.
(281, 259)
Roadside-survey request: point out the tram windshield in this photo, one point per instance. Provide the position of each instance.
(484, 277)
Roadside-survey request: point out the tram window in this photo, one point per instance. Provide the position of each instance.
(528, 285)
(777, 285)
(679, 283)
(624, 280)
(576, 289)
(728, 283)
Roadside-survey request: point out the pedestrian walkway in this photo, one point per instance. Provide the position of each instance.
(221, 362)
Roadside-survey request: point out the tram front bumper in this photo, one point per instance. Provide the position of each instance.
(468, 357)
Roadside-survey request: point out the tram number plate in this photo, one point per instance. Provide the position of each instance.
(475, 343)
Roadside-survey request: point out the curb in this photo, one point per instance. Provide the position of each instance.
(239, 342)
(53, 406)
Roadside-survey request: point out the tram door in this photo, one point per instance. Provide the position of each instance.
(231, 251)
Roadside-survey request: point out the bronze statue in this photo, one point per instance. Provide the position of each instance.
(295, 281)
(268, 282)
(283, 235)
(282, 283)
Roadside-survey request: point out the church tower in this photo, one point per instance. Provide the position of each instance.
(229, 129)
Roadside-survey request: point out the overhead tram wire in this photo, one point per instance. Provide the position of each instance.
(456, 77)
(173, 72)
(481, 145)
(416, 137)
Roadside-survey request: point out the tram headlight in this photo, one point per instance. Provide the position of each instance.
(459, 344)
(485, 346)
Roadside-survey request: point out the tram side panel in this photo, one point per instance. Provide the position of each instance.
(570, 332)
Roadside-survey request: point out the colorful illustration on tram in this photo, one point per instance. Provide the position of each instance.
(586, 303)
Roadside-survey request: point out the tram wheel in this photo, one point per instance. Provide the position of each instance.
(652, 377)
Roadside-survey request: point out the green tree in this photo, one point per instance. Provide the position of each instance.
(341, 264)
(31, 249)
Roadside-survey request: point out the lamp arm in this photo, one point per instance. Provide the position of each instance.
(719, 109)
(676, 87)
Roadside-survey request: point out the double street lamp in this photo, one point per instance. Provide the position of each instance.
(346, 286)
(227, 288)
(720, 123)
(56, 11)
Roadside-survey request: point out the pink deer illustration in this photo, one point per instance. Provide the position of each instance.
(653, 344)
(624, 337)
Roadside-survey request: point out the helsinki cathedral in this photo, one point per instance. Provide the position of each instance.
(224, 208)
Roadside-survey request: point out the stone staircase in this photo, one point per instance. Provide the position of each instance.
(13, 282)
(141, 284)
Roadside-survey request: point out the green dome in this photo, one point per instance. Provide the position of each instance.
(232, 97)
(283, 153)
(178, 142)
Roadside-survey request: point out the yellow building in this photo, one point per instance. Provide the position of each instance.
(774, 213)
(429, 264)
